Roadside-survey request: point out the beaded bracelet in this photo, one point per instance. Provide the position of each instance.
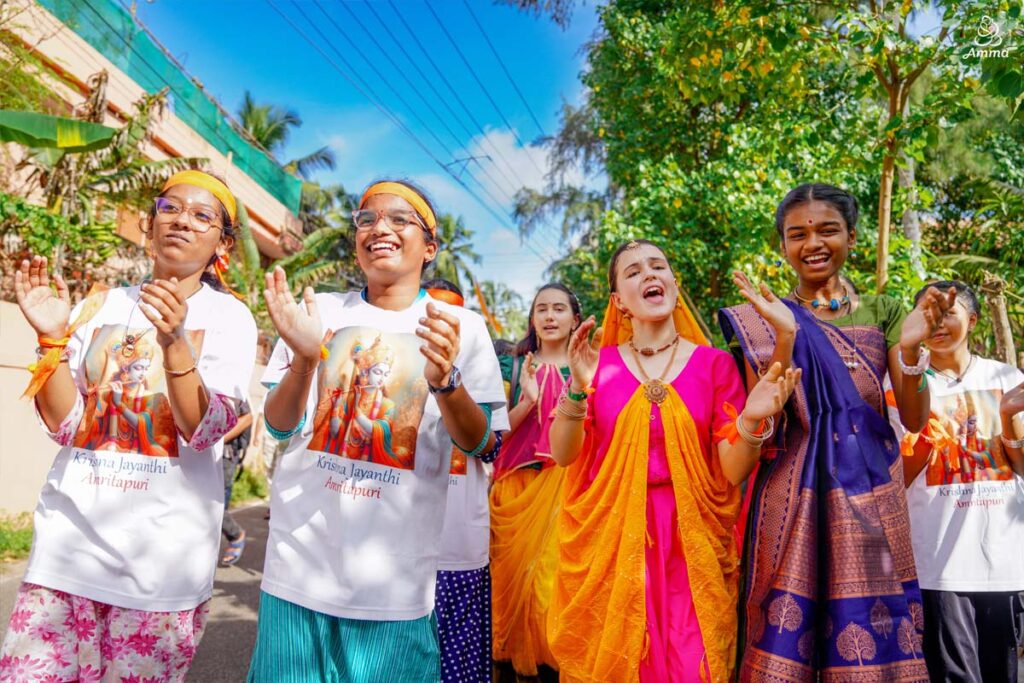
(284, 435)
(1011, 443)
(486, 407)
(915, 370)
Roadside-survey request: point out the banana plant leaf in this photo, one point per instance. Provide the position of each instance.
(42, 130)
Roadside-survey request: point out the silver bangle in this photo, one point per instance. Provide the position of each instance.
(915, 370)
(1012, 443)
(755, 441)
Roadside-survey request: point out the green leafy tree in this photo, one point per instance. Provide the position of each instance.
(456, 251)
(271, 125)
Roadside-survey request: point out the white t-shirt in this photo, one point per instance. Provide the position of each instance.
(359, 495)
(967, 505)
(130, 514)
(466, 535)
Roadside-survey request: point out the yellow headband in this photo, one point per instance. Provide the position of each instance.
(208, 183)
(409, 195)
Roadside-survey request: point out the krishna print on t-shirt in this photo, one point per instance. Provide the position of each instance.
(371, 396)
(126, 406)
(962, 439)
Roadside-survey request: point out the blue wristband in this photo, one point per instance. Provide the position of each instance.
(284, 436)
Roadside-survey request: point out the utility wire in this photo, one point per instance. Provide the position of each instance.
(504, 68)
(380, 77)
(457, 96)
(425, 100)
(394, 119)
(479, 82)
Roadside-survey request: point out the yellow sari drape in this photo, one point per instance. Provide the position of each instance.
(597, 618)
(524, 555)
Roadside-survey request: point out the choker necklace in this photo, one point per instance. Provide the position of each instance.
(953, 381)
(832, 304)
(655, 390)
(648, 351)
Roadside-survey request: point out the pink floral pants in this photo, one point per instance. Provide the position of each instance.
(57, 637)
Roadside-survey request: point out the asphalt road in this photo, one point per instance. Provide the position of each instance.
(223, 654)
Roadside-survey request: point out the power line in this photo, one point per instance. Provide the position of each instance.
(394, 119)
(458, 98)
(479, 82)
(504, 68)
(380, 77)
(412, 86)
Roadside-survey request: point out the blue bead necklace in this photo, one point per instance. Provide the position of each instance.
(832, 304)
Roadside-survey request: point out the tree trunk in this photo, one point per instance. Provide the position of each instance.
(911, 217)
(884, 219)
(992, 288)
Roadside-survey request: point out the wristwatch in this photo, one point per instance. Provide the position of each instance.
(454, 382)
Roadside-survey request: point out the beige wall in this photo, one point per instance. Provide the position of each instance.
(25, 451)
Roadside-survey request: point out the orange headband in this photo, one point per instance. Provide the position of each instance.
(446, 296)
(409, 195)
(208, 183)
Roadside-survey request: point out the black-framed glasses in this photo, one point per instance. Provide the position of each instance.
(396, 219)
(202, 218)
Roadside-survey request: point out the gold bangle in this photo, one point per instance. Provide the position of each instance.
(179, 373)
(572, 410)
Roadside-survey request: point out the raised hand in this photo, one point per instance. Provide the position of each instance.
(584, 353)
(440, 331)
(770, 307)
(1012, 402)
(926, 317)
(530, 391)
(770, 393)
(164, 305)
(300, 329)
(48, 312)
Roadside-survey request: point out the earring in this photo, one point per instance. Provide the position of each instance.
(778, 262)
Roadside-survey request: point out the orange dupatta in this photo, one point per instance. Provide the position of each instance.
(597, 620)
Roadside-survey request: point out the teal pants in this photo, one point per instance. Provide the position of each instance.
(298, 645)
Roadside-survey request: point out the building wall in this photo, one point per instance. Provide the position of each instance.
(65, 51)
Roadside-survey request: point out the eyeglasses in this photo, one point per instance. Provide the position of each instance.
(203, 218)
(365, 219)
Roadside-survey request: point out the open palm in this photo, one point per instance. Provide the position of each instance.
(584, 353)
(300, 329)
(46, 311)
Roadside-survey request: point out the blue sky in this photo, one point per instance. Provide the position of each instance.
(234, 45)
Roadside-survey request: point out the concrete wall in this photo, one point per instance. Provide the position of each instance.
(25, 451)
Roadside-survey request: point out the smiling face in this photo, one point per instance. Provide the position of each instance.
(644, 284)
(178, 248)
(384, 254)
(955, 328)
(816, 241)
(553, 318)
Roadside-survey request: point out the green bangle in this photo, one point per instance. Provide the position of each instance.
(573, 396)
(487, 434)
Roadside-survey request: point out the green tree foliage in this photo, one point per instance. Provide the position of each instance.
(270, 126)
(703, 115)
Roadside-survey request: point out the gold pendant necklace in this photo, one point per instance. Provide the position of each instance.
(655, 390)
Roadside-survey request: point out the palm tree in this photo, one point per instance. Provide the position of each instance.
(456, 250)
(270, 126)
(505, 307)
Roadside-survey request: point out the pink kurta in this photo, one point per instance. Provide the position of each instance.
(709, 379)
